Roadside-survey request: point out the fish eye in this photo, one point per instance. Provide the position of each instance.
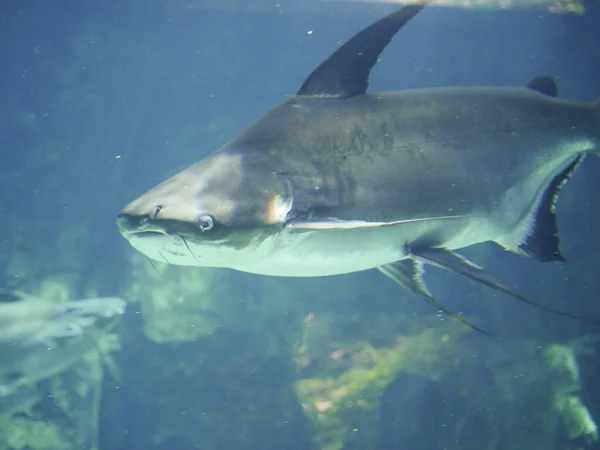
(156, 211)
(205, 223)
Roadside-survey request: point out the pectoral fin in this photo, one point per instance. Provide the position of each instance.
(408, 273)
(449, 260)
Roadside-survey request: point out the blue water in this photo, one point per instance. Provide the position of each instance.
(99, 101)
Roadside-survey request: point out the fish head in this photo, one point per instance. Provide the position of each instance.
(209, 213)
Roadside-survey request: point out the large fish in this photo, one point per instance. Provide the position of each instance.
(335, 180)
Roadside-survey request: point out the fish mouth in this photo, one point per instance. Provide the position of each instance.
(158, 244)
(144, 234)
(128, 224)
(138, 226)
(155, 240)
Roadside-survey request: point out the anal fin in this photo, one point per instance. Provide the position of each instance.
(449, 260)
(408, 273)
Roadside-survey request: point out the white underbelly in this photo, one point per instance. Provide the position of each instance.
(303, 254)
(307, 254)
(312, 261)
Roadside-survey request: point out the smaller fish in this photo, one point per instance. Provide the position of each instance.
(100, 306)
(28, 320)
(68, 327)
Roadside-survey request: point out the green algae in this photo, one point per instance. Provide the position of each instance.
(344, 407)
(178, 304)
(19, 433)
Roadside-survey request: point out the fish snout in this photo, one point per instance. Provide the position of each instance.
(132, 219)
(128, 223)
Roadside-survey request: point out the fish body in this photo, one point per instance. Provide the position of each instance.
(335, 180)
(28, 320)
(471, 160)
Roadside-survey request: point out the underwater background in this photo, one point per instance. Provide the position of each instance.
(101, 100)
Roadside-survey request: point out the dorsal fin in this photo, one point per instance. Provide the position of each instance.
(346, 72)
(544, 85)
